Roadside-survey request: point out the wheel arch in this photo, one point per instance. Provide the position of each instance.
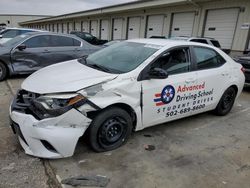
(123, 106)
(6, 66)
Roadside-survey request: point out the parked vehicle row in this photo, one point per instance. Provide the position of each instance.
(29, 52)
(127, 86)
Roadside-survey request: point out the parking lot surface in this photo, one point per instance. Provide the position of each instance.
(199, 151)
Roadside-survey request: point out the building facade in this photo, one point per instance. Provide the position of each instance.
(226, 20)
(11, 20)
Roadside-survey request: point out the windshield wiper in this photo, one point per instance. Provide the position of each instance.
(100, 67)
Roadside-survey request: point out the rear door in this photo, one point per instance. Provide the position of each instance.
(214, 72)
(64, 48)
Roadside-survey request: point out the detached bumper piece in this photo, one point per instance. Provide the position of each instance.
(54, 137)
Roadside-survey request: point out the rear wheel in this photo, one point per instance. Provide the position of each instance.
(226, 102)
(110, 129)
(3, 71)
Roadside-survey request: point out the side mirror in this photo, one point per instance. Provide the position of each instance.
(21, 47)
(1, 36)
(158, 73)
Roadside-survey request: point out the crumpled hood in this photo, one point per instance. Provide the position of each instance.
(69, 76)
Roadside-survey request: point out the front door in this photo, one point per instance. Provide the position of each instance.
(171, 98)
(33, 57)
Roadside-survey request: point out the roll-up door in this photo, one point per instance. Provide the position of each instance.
(221, 24)
(134, 25)
(182, 24)
(117, 28)
(104, 29)
(155, 25)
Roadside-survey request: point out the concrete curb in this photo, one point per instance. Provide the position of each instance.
(10, 87)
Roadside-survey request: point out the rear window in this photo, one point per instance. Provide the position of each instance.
(61, 41)
(216, 43)
(199, 40)
(10, 33)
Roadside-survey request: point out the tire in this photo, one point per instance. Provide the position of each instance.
(226, 102)
(3, 71)
(110, 129)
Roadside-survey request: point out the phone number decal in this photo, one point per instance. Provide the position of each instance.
(184, 110)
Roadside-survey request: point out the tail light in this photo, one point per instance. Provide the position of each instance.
(243, 69)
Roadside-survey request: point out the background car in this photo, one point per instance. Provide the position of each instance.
(31, 51)
(112, 42)
(11, 33)
(245, 62)
(204, 40)
(88, 37)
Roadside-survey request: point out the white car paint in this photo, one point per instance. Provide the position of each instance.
(105, 89)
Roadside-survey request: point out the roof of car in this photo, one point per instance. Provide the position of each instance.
(16, 28)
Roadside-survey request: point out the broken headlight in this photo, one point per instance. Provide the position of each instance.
(52, 106)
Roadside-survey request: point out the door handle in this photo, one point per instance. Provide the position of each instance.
(46, 51)
(77, 49)
(190, 80)
(224, 73)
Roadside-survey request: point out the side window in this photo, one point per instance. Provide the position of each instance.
(10, 33)
(38, 42)
(24, 31)
(76, 42)
(61, 41)
(199, 40)
(216, 43)
(175, 61)
(207, 58)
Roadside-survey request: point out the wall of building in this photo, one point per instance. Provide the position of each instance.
(14, 20)
(200, 9)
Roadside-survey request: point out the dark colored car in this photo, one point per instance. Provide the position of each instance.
(245, 62)
(31, 51)
(88, 37)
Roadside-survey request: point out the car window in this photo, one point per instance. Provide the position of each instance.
(76, 42)
(10, 33)
(207, 58)
(61, 41)
(175, 61)
(38, 41)
(216, 43)
(24, 31)
(199, 40)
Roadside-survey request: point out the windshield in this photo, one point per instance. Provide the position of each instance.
(121, 57)
(14, 41)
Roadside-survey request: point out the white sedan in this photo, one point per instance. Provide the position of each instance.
(128, 86)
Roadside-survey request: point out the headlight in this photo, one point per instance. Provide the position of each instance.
(52, 106)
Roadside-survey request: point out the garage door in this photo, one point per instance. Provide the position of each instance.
(182, 24)
(65, 27)
(70, 27)
(104, 29)
(134, 25)
(93, 27)
(220, 24)
(155, 25)
(85, 26)
(78, 26)
(117, 28)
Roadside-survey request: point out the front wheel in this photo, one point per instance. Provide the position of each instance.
(110, 129)
(3, 71)
(226, 102)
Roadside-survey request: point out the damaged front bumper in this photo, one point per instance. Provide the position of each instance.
(54, 137)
